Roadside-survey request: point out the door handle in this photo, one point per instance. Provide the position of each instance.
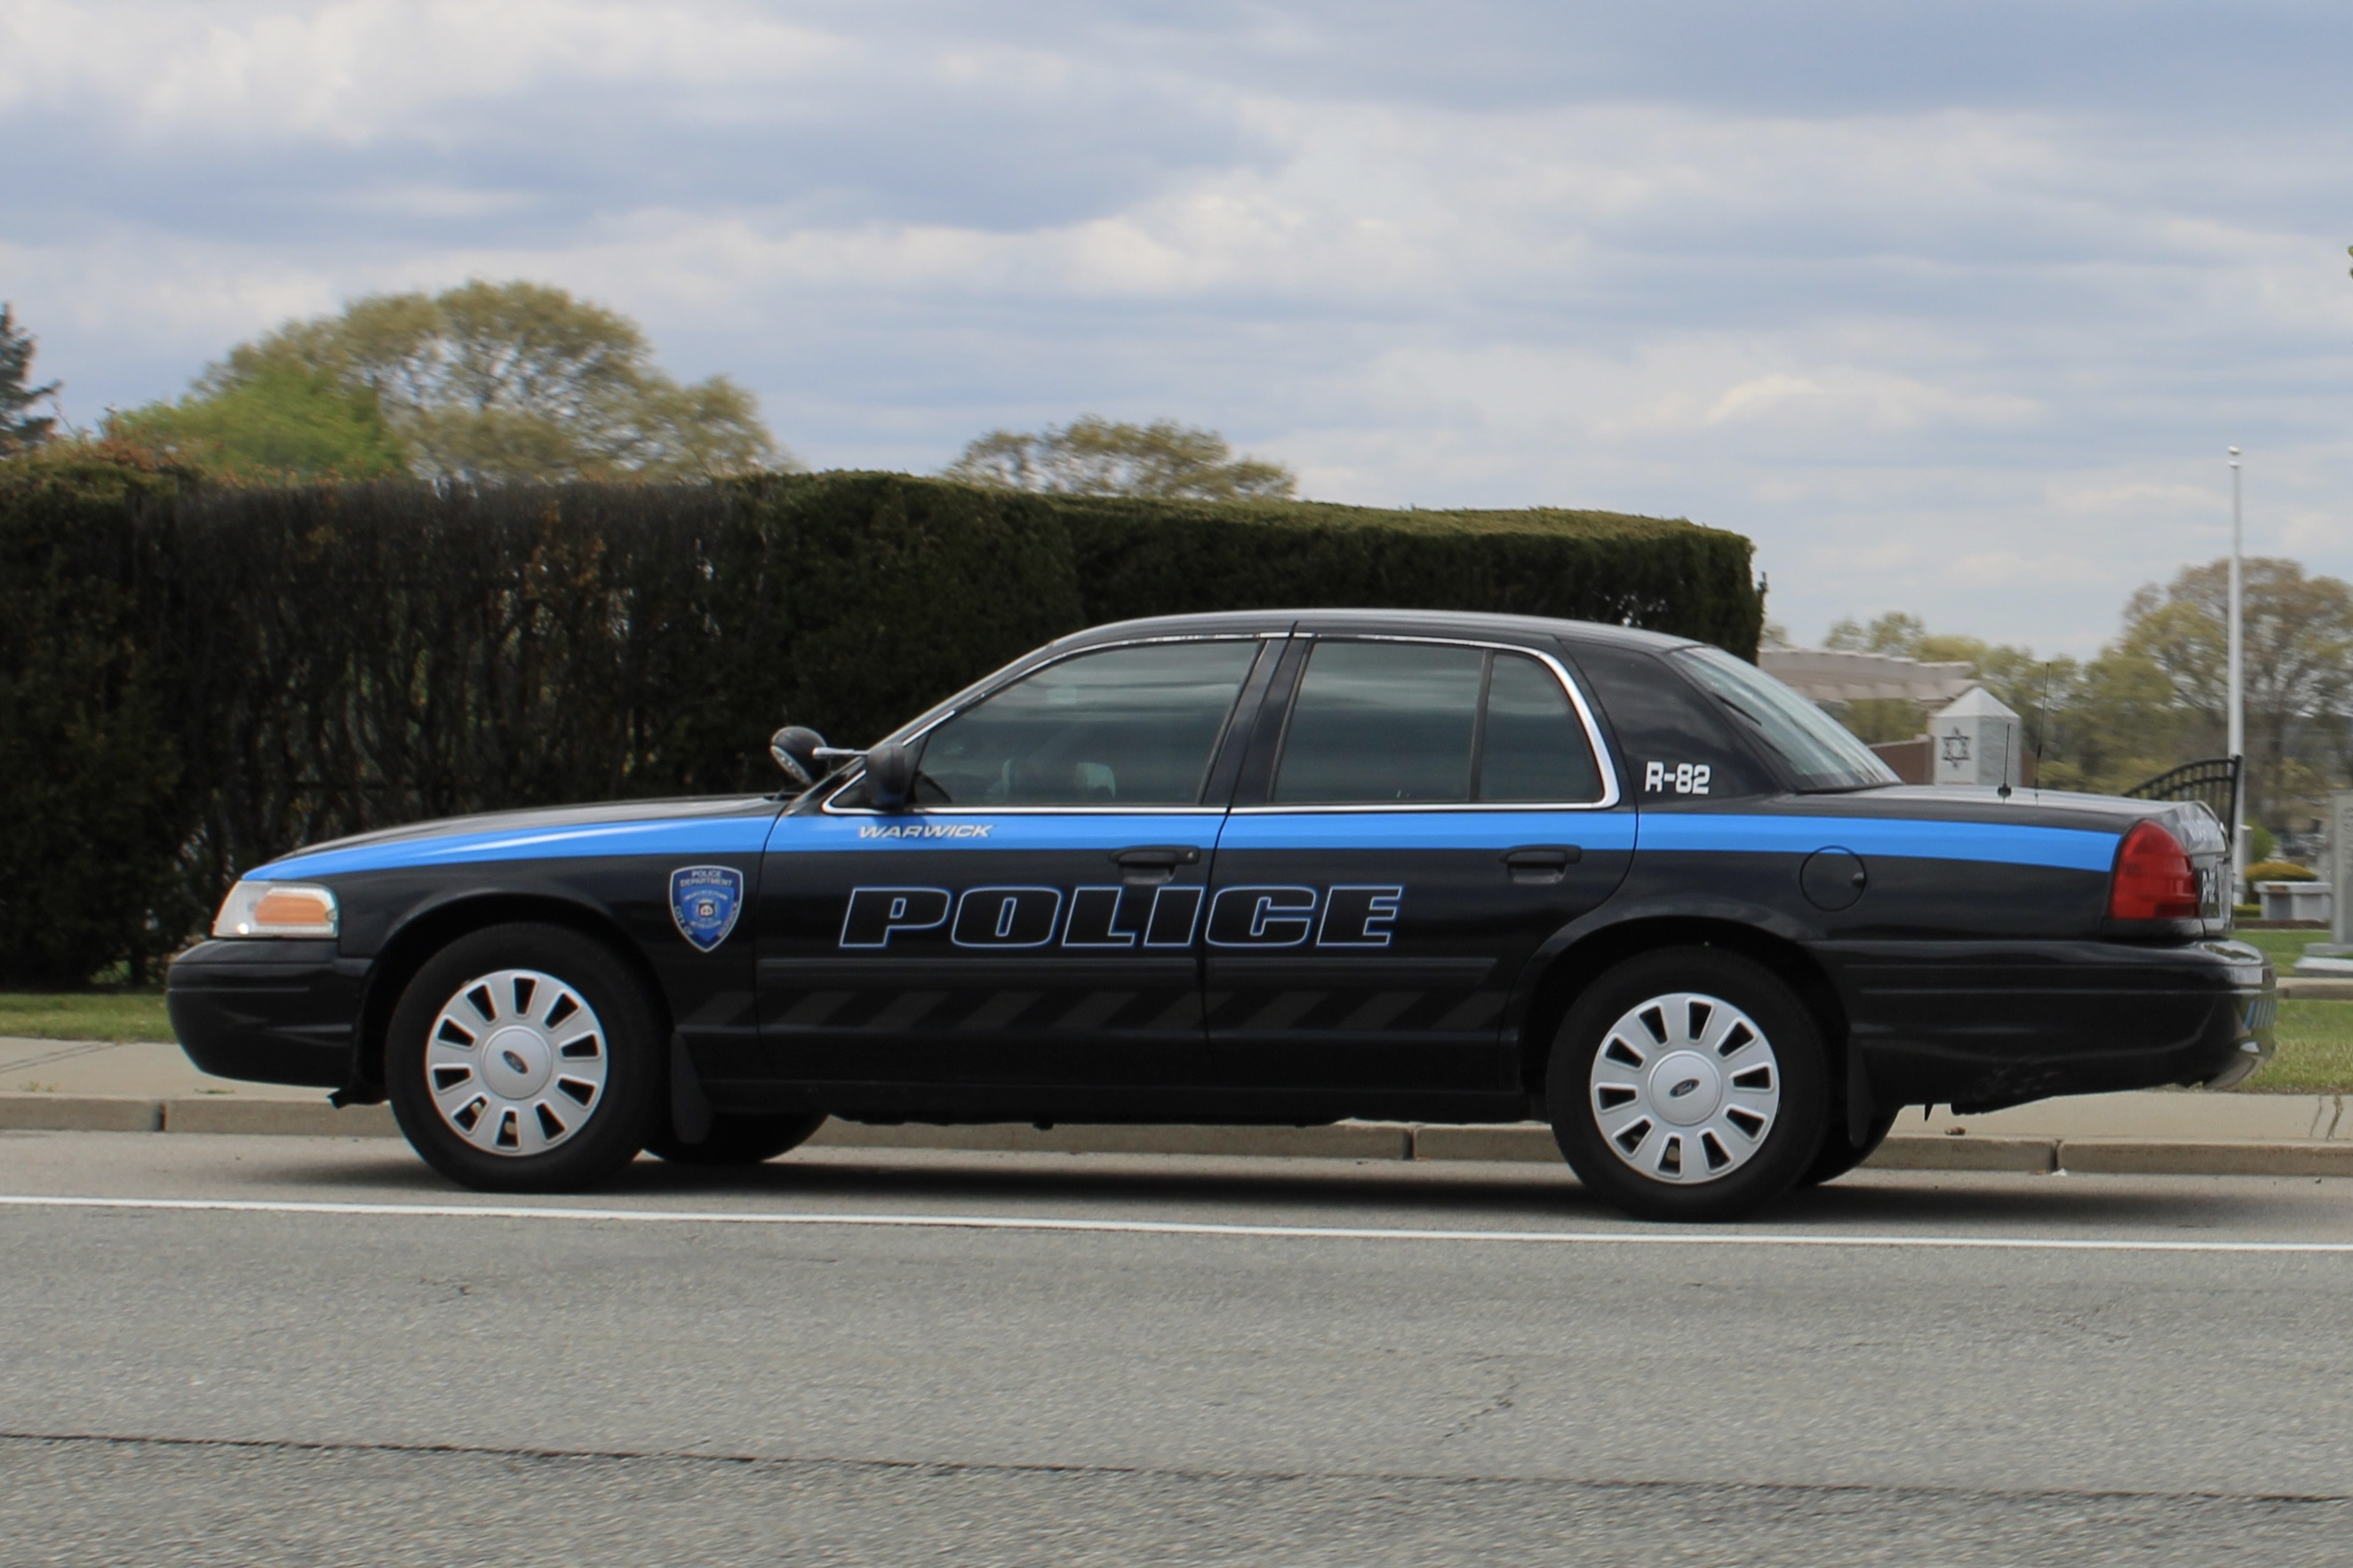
(1149, 865)
(1541, 862)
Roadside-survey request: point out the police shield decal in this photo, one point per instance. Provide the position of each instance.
(704, 901)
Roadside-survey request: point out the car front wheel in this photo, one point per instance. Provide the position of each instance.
(1688, 1084)
(524, 1058)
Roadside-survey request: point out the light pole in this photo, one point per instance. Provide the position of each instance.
(2238, 719)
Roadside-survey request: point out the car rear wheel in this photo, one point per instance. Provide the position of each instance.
(524, 1058)
(736, 1139)
(1688, 1084)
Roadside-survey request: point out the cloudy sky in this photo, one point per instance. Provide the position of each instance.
(1952, 307)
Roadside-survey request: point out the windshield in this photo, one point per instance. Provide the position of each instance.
(1819, 750)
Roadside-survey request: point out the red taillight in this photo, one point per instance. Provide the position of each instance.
(2154, 879)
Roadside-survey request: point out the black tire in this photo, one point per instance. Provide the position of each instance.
(1715, 1096)
(736, 1139)
(566, 1102)
(1839, 1154)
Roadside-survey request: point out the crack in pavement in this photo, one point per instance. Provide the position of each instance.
(951, 1467)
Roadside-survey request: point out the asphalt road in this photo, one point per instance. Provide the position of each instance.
(864, 1357)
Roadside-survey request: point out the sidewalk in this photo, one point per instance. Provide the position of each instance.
(92, 1086)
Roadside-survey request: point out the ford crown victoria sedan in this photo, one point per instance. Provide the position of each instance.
(1266, 867)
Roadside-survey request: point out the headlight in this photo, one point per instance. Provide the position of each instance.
(276, 909)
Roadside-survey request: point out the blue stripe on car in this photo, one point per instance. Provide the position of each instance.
(1709, 832)
(985, 830)
(681, 838)
(2064, 848)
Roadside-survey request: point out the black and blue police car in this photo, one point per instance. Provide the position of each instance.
(1271, 867)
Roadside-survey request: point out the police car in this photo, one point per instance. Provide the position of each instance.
(1269, 868)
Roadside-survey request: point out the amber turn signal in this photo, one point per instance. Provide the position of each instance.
(276, 909)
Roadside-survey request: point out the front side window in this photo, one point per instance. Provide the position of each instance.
(1822, 754)
(1127, 726)
(1378, 723)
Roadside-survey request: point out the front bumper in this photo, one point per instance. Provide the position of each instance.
(271, 1011)
(1979, 1025)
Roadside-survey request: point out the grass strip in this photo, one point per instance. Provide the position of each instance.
(85, 1014)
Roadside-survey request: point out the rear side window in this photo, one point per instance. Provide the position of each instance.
(1672, 739)
(1534, 748)
(1378, 723)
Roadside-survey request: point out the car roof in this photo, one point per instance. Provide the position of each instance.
(1454, 623)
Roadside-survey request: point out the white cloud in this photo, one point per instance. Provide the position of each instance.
(355, 69)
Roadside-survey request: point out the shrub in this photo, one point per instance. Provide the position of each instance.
(1140, 558)
(89, 773)
(2280, 871)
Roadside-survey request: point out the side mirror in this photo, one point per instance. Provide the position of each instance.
(795, 749)
(890, 776)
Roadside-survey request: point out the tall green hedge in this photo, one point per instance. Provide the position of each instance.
(90, 782)
(194, 681)
(1149, 558)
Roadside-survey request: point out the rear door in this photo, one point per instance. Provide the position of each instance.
(1417, 817)
(1035, 916)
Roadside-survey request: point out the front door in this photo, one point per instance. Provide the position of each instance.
(1035, 916)
(1433, 812)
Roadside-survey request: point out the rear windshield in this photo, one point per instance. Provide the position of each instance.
(1822, 752)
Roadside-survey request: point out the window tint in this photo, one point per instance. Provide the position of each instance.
(1534, 748)
(1822, 751)
(1130, 726)
(1376, 722)
(1672, 739)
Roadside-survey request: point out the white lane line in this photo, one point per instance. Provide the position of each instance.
(1167, 1227)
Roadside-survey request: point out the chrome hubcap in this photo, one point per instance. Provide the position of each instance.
(1685, 1088)
(515, 1062)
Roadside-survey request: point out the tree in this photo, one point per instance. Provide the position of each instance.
(278, 419)
(1895, 633)
(20, 431)
(2103, 725)
(492, 382)
(1096, 456)
(2298, 667)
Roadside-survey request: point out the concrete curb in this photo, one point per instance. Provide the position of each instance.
(2167, 1157)
(1972, 1154)
(1525, 1140)
(1521, 1142)
(300, 1117)
(79, 1113)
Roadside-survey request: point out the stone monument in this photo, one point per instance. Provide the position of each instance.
(2334, 957)
(1976, 740)
(2340, 865)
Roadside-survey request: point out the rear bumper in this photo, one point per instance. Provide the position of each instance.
(273, 1012)
(1979, 1025)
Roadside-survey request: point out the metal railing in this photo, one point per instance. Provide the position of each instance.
(2215, 782)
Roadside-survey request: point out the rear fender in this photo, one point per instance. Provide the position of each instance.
(1582, 952)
